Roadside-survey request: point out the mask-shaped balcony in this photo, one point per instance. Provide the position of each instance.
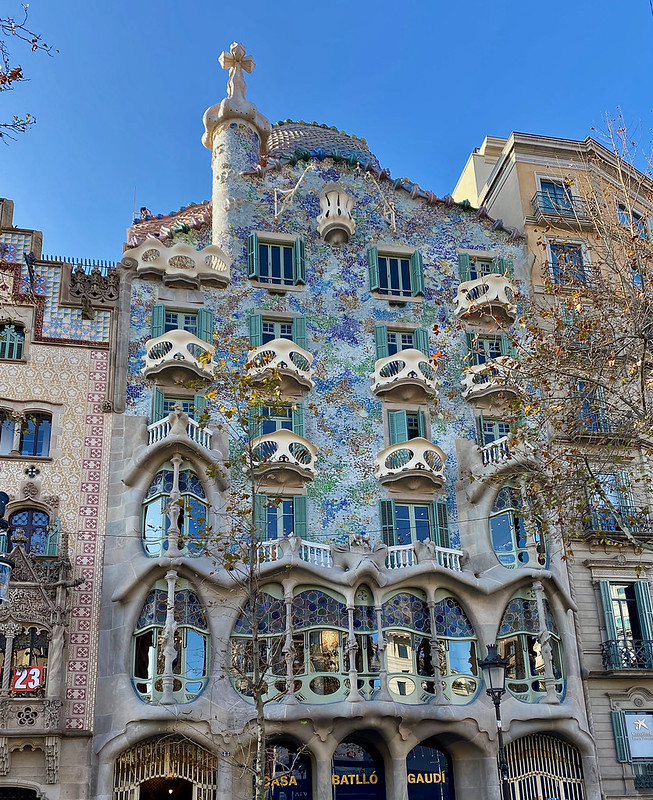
(177, 356)
(415, 466)
(406, 377)
(489, 296)
(180, 265)
(284, 358)
(284, 458)
(494, 378)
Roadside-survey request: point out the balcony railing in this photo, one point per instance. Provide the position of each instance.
(319, 554)
(643, 774)
(416, 465)
(565, 208)
(178, 352)
(284, 456)
(403, 555)
(627, 654)
(285, 358)
(497, 452)
(493, 377)
(405, 374)
(491, 294)
(603, 520)
(159, 430)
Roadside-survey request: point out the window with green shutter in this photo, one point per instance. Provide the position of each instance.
(405, 425)
(276, 263)
(471, 267)
(628, 616)
(406, 523)
(394, 275)
(264, 421)
(279, 517)
(263, 330)
(389, 342)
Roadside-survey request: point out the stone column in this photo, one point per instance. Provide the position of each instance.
(354, 695)
(169, 651)
(173, 509)
(289, 648)
(434, 645)
(544, 638)
(323, 789)
(224, 787)
(9, 630)
(399, 774)
(384, 692)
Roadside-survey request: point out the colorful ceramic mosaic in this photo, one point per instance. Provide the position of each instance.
(314, 608)
(404, 610)
(521, 616)
(451, 620)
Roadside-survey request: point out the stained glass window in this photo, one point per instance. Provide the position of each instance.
(315, 608)
(405, 610)
(270, 613)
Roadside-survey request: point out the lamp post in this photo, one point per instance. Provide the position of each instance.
(494, 674)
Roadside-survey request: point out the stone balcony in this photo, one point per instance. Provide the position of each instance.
(490, 296)
(286, 359)
(492, 379)
(284, 458)
(180, 265)
(415, 466)
(406, 377)
(177, 356)
(158, 431)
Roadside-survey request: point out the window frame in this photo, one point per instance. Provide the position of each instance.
(18, 343)
(558, 274)
(439, 531)
(518, 555)
(413, 273)
(257, 240)
(265, 510)
(257, 319)
(497, 265)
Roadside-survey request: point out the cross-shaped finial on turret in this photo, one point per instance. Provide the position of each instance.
(236, 61)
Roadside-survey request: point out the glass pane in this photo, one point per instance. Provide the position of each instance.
(422, 530)
(195, 654)
(462, 658)
(402, 524)
(501, 532)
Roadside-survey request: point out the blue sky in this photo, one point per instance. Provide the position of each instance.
(120, 107)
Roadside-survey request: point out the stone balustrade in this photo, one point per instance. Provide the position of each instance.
(406, 376)
(284, 457)
(283, 357)
(493, 377)
(415, 465)
(159, 430)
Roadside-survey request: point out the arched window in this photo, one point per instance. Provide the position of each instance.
(193, 516)
(510, 538)
(12, 341)
(29, 663)
(271, 627)
(37, 535)
(457, 646)
(407, 633)
(287, 771)
(520, 641)
(191, 638)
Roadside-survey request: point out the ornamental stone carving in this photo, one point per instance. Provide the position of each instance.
(4, 755)
(335, 223)
(51, 759)
(93, 287)
(52, 712)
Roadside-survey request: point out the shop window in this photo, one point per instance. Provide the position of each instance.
(190, 662)
(509, 533)
(520, 641)
(405, 523)
(389, 342)
(12, 341)
(429, 773)
(358, 771)
(471, 268)
(38, 536)
(287, 772)
(395, 276)
(263, 330)
(276, 263)
(193, 512)
(628, 615)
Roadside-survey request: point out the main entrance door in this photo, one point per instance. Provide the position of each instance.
(357, 773)
(542, 767)
(429, 773)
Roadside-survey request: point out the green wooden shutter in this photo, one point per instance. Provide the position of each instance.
(199, 403)
(439, 521)
(496, 266)
(299, 335)
(464, 266)
(252, 256)
(470, 340)
(254, 422)
(255, 322)
(300, 515)
(397, 426)
(645, 614)
(618, 719)
(158, 320)
(157, 405)
(421, 339)
(373, 267)
(479, 423)
(260, 516)
(52, 544)
(421, 424)
(417, 273)
(205, 325)
(388, 522)
(381, 341)
(508, 269)
(299, 259)
(614, 656)
(298, 419)
(506, 346)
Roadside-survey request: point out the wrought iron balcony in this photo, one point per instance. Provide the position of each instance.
(178, 353)
(602, 520)
(491, 295)
(564, 210)
(284, 458)
(159, 430)
(416, 465)
(627, 654)
(492, 378)
(643, 774)
(286, 359)
(180, 264)
(407, 376)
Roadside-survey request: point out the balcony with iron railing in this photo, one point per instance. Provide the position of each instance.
(320, 555)
(407, 376)
(495, 377)
(627, 654)
(286, 359)
(158, 431)
(416, 465)
(563, 210)
(643, 774)
(603, 520)
(489, 296)
(179, 355)
(283, 458)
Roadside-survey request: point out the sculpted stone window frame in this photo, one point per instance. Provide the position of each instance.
(25, 650)
(514, 543)
(190, 638)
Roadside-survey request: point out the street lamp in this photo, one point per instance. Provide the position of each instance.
(494, 675)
